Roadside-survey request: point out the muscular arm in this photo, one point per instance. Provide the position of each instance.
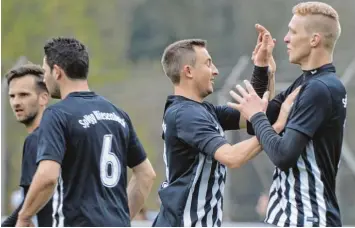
(140, 186)
(41, 189)
(50, 154)
(143, 174)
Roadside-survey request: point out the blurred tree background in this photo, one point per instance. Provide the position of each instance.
(126, 38)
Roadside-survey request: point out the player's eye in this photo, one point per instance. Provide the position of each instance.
(24, 94)
(209, 63)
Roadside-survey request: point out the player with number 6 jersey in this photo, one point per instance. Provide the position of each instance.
(94, 142)
(85, 144)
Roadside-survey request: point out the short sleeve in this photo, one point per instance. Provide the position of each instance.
(311, 108)
(196, 128)
(51, 142)
(29, 160)
(228, 117)
(136, 152)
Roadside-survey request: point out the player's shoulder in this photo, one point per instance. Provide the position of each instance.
(179, 107)
(31, 139)
(326, 83)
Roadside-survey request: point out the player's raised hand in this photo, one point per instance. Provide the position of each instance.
(262, 54)
(249, 103)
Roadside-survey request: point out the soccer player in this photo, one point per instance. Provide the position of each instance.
(196, 152)
(85, 144)
(28, 98)
(307, 153)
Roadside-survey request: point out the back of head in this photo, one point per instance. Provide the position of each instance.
(323, 19)
(70, 55)
(178, 54)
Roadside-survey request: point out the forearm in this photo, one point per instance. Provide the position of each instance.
(138, 190)
(272, 114)
(11, 220)
(242, 152)
(271, 85)
(40, 192)
(283, 151)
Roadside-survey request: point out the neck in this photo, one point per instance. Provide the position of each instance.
(317, 59)
(74, 86)
(188, 93)
(35, 123)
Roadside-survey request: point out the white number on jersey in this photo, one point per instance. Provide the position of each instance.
(109, 159)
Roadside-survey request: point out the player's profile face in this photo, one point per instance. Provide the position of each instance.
(51, 83)
(24, 99)
(297, 40)
(204, 72)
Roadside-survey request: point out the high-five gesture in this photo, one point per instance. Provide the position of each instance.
(249, 102)
(262, 54)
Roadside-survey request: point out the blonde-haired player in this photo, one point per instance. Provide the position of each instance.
(307, 153)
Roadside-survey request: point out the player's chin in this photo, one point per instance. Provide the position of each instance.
(210, 90)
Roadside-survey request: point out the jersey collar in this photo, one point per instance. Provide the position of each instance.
(325, 68)
(82, 94)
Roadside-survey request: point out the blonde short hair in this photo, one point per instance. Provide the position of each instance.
(326, 20)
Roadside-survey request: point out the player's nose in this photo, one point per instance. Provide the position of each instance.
(215, 71)
(15, 102)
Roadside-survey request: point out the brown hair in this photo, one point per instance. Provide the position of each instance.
(177, 54)
(35, 71)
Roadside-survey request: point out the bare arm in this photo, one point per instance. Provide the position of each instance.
(271, 85)
(238, 154)
(234, 156)
(140, 186)
(40, 192)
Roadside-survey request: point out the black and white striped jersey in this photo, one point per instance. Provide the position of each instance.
(192, 194)
(304, 195)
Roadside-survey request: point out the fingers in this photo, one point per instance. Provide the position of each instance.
(290, 98)
(257, 47)
(242, 91)
(260, 28)
(266, 38)
(235, 96)
(233, 105)
(249, 87)
(266, 96)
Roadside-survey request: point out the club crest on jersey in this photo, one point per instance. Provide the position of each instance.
(221, 132)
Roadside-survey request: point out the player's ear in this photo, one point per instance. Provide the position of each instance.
(315, 39)
(186, 70)
(57, 72)
(43, 98)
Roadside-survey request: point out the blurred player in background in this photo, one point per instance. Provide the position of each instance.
(196, 152)
(85, 146)
(307, 154)
(28, 98)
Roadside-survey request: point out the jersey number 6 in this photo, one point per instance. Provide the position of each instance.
(109, 159)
